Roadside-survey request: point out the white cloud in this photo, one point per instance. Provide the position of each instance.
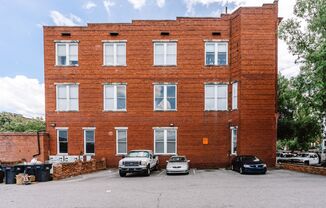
(107, 5)
(22, 95)
(137, 4)
(62, 20)
(89, 5)
(160, 3)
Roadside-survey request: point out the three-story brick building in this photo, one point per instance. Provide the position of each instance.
(201, 87)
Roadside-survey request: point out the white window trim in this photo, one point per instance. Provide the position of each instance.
(216, 97)
(68, 97)
(216, 42)
(67, 43)
(57, 129)
(88, 129)
(165, 97)
(165, 42)
(115, 98)
(116, 140)
(165, 140)
(115, 42)
(232, 128)
(235, 95)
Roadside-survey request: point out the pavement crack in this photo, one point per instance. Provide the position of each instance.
(158, 200)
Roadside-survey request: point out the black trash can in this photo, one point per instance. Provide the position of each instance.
(30, 170)
(19, 168)
(45, 172)
(38, 172)
(10, 173)
(2, 174)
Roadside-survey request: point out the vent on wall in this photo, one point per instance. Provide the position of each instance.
(65, 34)
(216, 33)
(114, 33)
(165, 33)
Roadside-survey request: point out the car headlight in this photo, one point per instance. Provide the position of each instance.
(264, 165)
(143, 163)
(246, 166)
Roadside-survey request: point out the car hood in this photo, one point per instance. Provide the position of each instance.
(134, 159)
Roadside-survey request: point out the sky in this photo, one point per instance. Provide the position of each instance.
(21, 36)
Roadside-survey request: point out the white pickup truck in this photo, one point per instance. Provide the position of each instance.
(138, 161)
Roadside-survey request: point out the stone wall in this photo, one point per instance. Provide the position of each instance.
(304, 168)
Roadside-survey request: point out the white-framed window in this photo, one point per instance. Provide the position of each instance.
(121, 140)
(234, 135)
(235, 95)
(216, 53)
(114, 53)
(115, 97)
(165, 141)
(216, 97)
(66, 54)
(62, 141)
(67, 97)
(89, 141)
(165, 53)
(165, 97)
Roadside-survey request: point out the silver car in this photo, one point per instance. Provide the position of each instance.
(177, 164)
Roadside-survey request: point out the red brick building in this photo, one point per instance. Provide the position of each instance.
(200, 87)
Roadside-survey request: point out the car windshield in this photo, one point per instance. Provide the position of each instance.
(138, 154)
(250, 159)
(303, 155)
(177, 159)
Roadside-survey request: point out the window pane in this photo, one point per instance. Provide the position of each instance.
(170, 147)
(171, 53)
(109, 54)
(159, 147)
(235, 95)
(209, 104)
(122, 147)
(170, 91)
(222, 104)
(90, 148)
(109, 104)
(170, 104)
(62, 104)
(109, 91)
(121, 103)
(222, 91)
(159, 103)
(159, 135)
(63, 147)
(210, 47)
(122, 135)
(61, 53)
(210, 58)
(89, 134)
(170, 136)
(221, 47)
(73, 54)
(159, 53)
(209, 91)
(63, 135)
(73, 104)
(159, 91)
(121, 54)
(171, 59)
(73, 91)
(62, 91)
(121, 91)
(221, 59)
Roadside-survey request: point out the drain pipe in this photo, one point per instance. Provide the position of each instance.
(38, 144)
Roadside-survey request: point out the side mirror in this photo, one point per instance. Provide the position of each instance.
(188, 161)
(123, 156)
(154, 157)
(167, 161)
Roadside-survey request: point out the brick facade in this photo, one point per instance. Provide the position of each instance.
(252, 62)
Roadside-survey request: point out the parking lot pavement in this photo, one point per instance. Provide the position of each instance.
(201, 188)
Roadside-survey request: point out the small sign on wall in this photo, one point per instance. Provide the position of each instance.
(205, 140)
(110, 133)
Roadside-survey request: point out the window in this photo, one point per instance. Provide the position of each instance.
(115, 54)
(165, 140)
(165, 98)
(235, 95)
(234, 131)
(216, 97)
(67, 97)
(89, 140)
(216, 53)
(62, 139)
(165, 53)
(67, 54)
(115, 97)
(121, 135)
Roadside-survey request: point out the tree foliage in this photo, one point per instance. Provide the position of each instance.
(10, 122)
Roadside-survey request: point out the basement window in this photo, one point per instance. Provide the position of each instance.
(216, 53)
(66, 54)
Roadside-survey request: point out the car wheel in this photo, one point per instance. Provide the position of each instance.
(306, 162)
(148, 171)
(122, 174)
(241, 171)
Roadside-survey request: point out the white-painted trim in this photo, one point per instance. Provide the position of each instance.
(235, 93)
(61, 128)
(66, 83)
(165, 83)
(232, 128)
(156, 127)
(115, 99)
(88, 129)
(216, 40)
(117, 137)
(114, 41)
(58, 146)
(66, 41)
(165, 97)
(164, 40)
(114, 83)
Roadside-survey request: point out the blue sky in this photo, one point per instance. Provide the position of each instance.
(21, 37)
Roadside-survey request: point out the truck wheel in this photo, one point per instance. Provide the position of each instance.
(306, 162)
(148, 171)
(122, 174)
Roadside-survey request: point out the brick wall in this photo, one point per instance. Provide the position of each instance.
(65, 170)
(17, 146)
(304, 168)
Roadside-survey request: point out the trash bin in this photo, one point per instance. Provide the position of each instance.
(30, 170)
(19, 168)
(38, 172)
(45, 172)
(2, 174)
(10, 173)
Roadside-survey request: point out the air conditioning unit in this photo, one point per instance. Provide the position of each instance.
(70, 158)
(88, 157)
(55, 159)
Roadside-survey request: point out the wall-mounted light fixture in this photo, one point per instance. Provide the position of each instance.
(53, 125)
(171, 124)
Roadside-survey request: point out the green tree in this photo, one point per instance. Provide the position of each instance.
(10, 122)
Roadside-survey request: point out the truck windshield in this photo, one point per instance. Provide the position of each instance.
(138, 154)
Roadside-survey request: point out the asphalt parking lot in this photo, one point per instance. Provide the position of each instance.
(201, 188)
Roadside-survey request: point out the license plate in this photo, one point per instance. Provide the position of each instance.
(131, 169)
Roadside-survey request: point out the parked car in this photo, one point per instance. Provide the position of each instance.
(284, 157)
(177, 164)
(142, 161)
(307, 158)
(248, 164)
